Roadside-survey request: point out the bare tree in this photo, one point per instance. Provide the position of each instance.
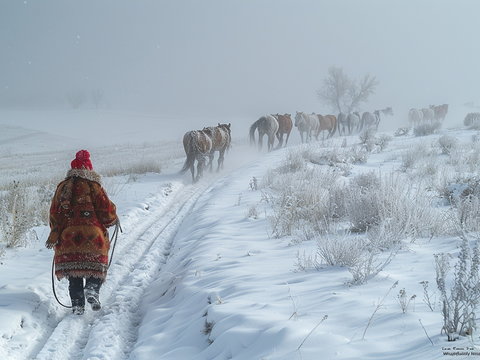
(343, 94)
(76, 98)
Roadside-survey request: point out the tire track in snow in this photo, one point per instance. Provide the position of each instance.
(111, 332)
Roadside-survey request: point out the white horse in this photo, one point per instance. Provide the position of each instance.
(369, 120)
(428, 115)
(306, 123)
(353, 121)
(266, 125)
(415, 117)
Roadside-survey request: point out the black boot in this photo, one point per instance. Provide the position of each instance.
(77, 307)
(92, 293)
(76, 294)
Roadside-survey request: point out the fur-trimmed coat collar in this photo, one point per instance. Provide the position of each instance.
(85, 174)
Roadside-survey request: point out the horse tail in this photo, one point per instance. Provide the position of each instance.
(252, 130)
(190, 151)
(188, 162)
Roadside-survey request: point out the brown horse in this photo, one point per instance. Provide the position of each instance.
(221, 141)
(327, 122)
(197, 145)
(285, 125)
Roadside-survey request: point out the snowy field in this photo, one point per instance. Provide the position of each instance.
(200, 271)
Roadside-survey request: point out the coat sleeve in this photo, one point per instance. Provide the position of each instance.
(104, 208)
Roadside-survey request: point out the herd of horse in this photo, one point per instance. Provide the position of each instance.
(427, 116)
(201, 145)
(311, 125)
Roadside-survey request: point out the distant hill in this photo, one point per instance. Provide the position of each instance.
(19, 140)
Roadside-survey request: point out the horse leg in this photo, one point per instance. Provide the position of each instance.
(286, 140)
(220, 159)
(211, 154)
(280, 140)
(200, 165)
(192, 169)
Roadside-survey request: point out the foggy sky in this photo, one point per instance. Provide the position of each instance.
(245, 57)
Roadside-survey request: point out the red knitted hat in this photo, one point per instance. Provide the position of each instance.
(82, 160)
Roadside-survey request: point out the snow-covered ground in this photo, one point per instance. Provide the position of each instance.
(195, 277)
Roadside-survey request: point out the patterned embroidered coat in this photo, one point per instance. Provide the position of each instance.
(79, 216)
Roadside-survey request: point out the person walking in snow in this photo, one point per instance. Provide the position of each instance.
(80, 214)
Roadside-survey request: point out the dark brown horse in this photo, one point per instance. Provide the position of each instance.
(221, 141)
(197, 145)
(285, 125)
(327, 122)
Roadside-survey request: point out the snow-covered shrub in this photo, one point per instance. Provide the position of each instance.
(306, 262)
(472, 120)
(23, 207)
(382, 141)
(386, 235)
(403, 131)
(409, 158)
(327, 157)
(459, 302)
(303, 199)
(464, 195)
(426, 129)
(469, 157)
(15, 216)
(340, 251)
(299, 203)
(366, 180)
(367, 139)
(358, 155)
(468, 213)
(389, 203)
(413, 155)
(369, 264)
(447, 143)
(427, 167)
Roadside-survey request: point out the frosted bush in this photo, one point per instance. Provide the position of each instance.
(472, 120)
(409, 158)
(358, 155)
(340, 251)
(403, 131)
(367, 139)
(447, 144)
(302, 200)
(460, 301)
(382, 141)
(426, 129)
(393, 201)
(15, 216)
